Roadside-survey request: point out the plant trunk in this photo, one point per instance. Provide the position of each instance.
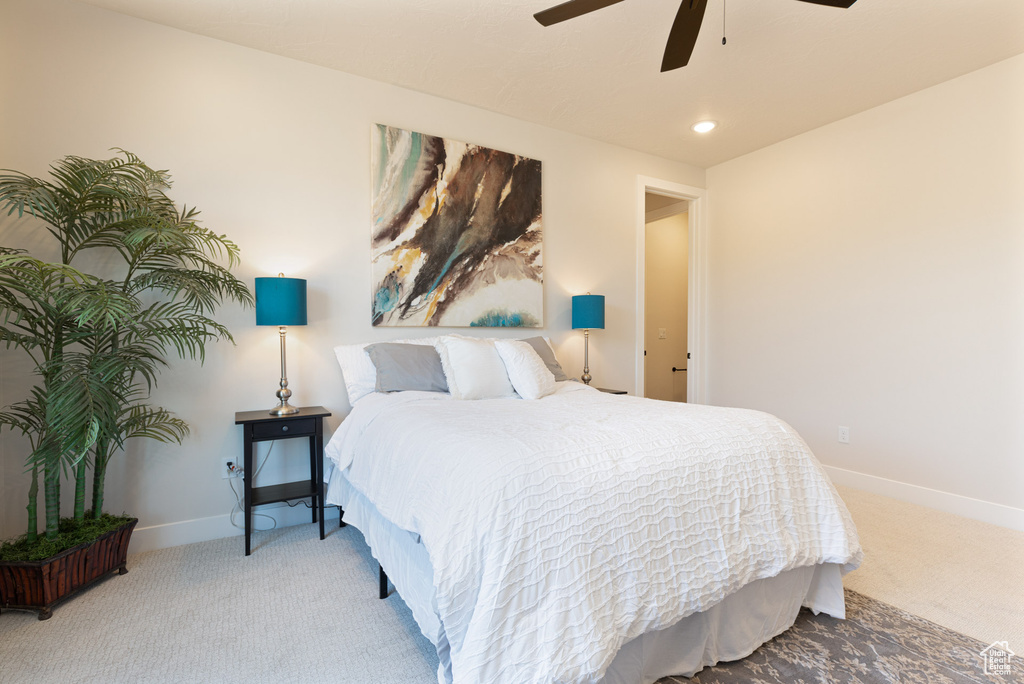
(51, 494)
(80, 474)
(52, 464)
(99, 474)
(33, 507)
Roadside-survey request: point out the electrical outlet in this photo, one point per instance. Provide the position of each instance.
(844, 434)
(230, 467)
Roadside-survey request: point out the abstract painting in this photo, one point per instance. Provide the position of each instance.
(456, 238)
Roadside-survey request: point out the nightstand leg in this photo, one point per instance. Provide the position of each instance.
(318, 459)
(312, 473)
(247, 486)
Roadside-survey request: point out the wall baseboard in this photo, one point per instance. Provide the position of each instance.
(219, 526)
(976, 509)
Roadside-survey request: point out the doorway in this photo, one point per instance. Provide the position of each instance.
(667, 238)
(696, 291)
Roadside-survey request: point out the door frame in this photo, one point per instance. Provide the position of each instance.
(697, 274)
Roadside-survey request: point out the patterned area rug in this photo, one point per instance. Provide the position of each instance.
(876, 643)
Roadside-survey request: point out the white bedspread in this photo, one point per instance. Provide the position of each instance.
(560, 528)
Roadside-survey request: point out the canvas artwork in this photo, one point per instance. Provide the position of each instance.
(456, 237)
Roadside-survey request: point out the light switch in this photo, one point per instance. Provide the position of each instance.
(662, 334)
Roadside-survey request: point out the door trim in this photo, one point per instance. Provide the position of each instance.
(697, 274)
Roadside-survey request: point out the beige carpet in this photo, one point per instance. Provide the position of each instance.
(297, 610)
(300, 609)
(960, 573)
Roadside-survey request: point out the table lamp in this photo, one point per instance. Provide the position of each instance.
(587, 313)
(282, 302)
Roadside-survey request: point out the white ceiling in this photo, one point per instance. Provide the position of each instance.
(788, 66)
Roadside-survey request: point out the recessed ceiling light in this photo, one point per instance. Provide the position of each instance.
(703, 126)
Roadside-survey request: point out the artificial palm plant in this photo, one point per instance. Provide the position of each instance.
(98, 339)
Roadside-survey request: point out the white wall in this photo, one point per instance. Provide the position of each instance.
(871, 274)
(276, 155)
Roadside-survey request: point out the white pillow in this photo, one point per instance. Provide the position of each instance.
(359, 371)
(473, 368)
(529, 374)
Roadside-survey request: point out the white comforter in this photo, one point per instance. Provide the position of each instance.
(560, 528)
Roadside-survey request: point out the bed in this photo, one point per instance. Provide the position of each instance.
(578, 536)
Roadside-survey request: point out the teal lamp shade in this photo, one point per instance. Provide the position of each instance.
(587, 311)
(280, 301)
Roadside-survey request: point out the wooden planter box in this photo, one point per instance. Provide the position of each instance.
(38, 585)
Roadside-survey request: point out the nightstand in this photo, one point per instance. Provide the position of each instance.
(260, 426)
(611, 391)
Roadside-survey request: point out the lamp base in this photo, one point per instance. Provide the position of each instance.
(283, 394)
(285, 409)
(586, 358)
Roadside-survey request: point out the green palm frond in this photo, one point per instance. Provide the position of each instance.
(154, 423)
(64, 438)
(88, 197)
(81, 389)
(27, 417)
(182, 260)
(176, 325)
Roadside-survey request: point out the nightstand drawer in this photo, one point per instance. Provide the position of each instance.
(285, 428)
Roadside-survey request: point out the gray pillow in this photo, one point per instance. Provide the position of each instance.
(404, 367)
(543, 349)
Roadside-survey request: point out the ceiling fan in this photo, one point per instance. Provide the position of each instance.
(681, 38)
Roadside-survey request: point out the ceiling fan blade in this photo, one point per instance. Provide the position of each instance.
(845, 4)
(571, 10)
(683, 35)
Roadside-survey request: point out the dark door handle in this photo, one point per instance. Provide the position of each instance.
(678, 370)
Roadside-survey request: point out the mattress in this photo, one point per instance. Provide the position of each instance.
(559, 530)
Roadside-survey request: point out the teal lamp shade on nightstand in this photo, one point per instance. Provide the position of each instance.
(282, 302)
(587, 313)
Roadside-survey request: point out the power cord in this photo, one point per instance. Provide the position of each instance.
(239, 508)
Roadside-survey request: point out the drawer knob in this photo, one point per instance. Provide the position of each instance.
(284, 428)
